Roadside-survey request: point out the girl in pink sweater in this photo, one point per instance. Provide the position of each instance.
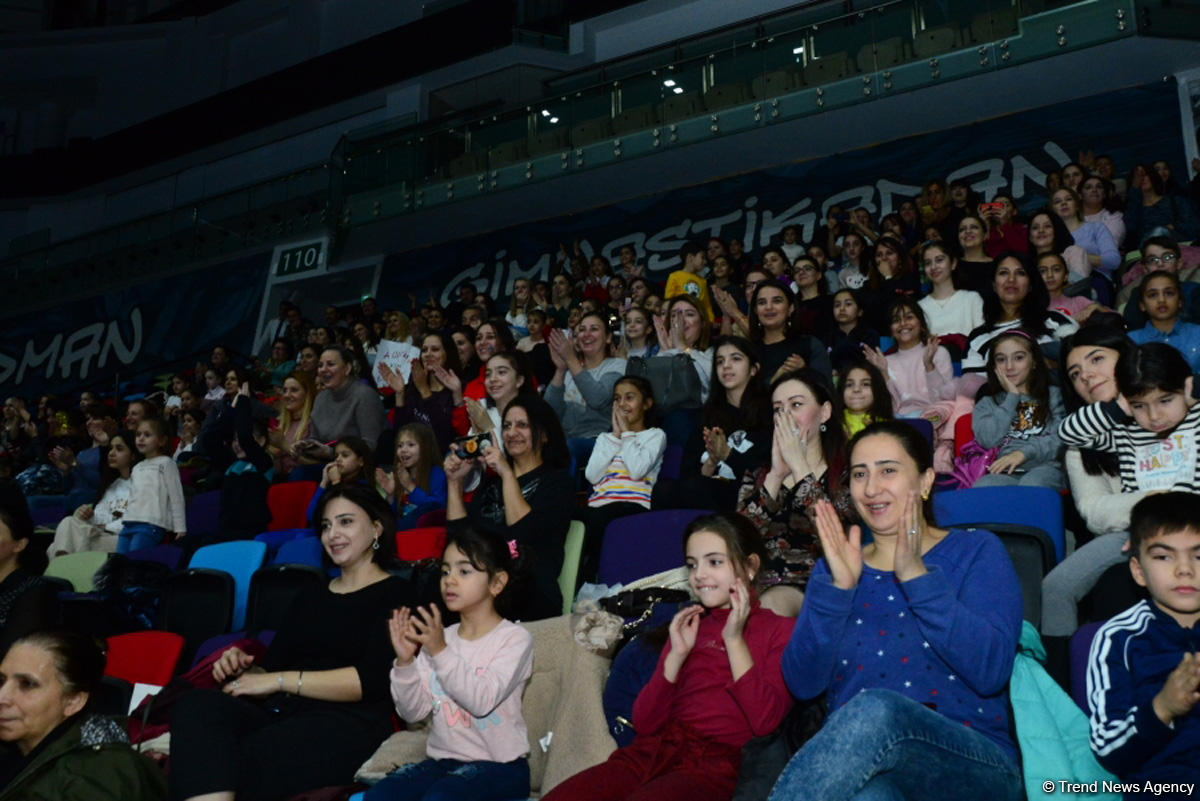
(717, 684)
(471, 676)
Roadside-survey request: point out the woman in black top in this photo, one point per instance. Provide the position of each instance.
(318, 703)
(773, 328)
(27, 604)
(734, 434)
(528, 495)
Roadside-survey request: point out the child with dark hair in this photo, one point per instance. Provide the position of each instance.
(688, 281)
(1143, 677)
(1019, 414)
(623, 465)
(864, 396)
(717, 684)
(1162, 302)
(353, 463)
(1151, 427)
(471, 674)
(850, 333)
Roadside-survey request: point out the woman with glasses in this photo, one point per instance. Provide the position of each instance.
(814, 306)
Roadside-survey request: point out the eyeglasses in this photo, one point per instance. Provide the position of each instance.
(806, 268)
(1158, 261)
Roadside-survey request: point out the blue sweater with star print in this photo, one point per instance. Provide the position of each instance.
(946, 639)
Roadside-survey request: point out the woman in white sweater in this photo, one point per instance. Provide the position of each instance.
(1089, 376)
(948, 310)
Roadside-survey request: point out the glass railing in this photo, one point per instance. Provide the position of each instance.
(786, 66)
(254, 215)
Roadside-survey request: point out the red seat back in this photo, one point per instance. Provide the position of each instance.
(289, 504)
(963, 433)
(420, 543)
(147, 657)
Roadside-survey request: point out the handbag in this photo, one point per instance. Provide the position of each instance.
(674, 379)
(972, 463)
(637, 606)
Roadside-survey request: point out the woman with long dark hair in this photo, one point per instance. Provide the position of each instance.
(1018, 300)
(807, 465)
(1089, 375)
(733, 435)
(527, 494)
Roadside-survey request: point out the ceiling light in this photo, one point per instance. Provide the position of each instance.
(668, 82)
(798, 50)
(553, 120)
(677, 90)
(545, 113)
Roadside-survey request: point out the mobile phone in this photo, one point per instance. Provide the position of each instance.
(984, 208)
(471, 446)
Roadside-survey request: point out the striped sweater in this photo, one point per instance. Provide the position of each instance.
(623, 469)
(1131, 656)
(1147, 461)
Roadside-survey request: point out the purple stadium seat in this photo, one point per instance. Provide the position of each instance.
(169, 555)
(204, 513)
(672, 462)
(644, 544)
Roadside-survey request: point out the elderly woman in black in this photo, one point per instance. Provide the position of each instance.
(54, 747)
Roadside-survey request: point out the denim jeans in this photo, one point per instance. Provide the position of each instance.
(452, 780)
(882, 745)
(136, 536)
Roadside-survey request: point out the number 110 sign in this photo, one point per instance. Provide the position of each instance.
(293, 259)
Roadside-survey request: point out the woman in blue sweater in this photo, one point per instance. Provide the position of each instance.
(911, 637)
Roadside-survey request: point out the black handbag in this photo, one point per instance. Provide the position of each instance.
(637, 606)
(674, 379)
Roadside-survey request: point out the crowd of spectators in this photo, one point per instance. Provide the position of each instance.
(1068, 332)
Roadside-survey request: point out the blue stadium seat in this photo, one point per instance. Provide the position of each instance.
(300, 551)
(239, 559)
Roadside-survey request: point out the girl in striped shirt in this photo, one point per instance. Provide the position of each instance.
(624, 464)
(1152, 426)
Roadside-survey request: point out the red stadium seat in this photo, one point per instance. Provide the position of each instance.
(420, 543)
(143, 657)
(289, 504)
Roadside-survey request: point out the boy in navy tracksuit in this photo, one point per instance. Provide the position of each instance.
(1143, 679)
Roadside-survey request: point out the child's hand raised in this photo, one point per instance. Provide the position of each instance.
(1180, 692)
(427, 629)
(401, 633)
(385, 481)
(739, 601)
(683, 629)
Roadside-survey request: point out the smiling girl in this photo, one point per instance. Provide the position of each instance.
(1019, 414)
(717, 683)
(919, 370)
(624, 465)
(863, 394)
(948, 309)
(417, 483)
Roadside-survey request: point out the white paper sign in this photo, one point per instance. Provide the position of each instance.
(396, 355)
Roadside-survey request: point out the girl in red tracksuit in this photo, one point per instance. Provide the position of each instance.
(718, 682)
